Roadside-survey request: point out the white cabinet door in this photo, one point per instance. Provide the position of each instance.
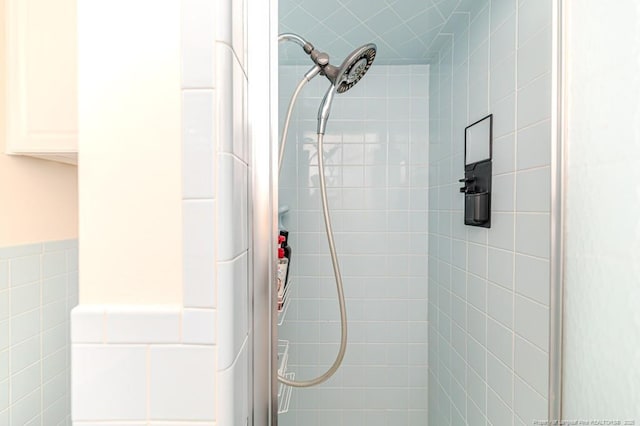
(42, 104)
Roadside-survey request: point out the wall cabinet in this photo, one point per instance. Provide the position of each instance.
(41, 70)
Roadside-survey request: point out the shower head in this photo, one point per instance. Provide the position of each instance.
(342, 78)
(353, 68)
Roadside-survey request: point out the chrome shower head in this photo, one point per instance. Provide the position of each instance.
(353, 68)
(342, 78)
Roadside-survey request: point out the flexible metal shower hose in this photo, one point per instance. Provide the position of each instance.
(332, 249)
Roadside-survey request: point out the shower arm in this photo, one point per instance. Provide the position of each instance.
(321, 59)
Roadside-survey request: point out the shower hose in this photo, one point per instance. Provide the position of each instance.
(332, 248)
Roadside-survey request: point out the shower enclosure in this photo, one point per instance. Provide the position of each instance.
(447, 324)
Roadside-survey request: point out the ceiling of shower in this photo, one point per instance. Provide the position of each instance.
(406, 31)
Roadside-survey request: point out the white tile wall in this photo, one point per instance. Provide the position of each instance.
(38, 289)
(168, 359)
(488, 338)
(102, 372)
(179, 393)
(376, 161)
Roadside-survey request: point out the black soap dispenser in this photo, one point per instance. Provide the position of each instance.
(478, 150)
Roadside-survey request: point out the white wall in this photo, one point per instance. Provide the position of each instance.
(129, 128)
(489, 288)
(602, 238)
(39, 198)
(162, 332)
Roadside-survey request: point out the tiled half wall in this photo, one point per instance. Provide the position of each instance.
(38, 289)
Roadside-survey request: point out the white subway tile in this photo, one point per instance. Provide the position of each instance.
(109, 382)
(223, 21)
(232, 207)
(199, 253)
(198, 145)
(182, 383)
(88, 324)
(139, 324)
(240, 111)
(198, 36)
(232, 401)
(224, 98)
(199, 326)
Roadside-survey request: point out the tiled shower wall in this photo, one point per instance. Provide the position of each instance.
(38, 289)
(489, 289)
(376, 157)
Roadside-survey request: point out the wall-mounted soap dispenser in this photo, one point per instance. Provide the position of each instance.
(478, 151)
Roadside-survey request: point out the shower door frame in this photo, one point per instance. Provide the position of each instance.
(558, 157)
(262, 20)
(262, 63)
